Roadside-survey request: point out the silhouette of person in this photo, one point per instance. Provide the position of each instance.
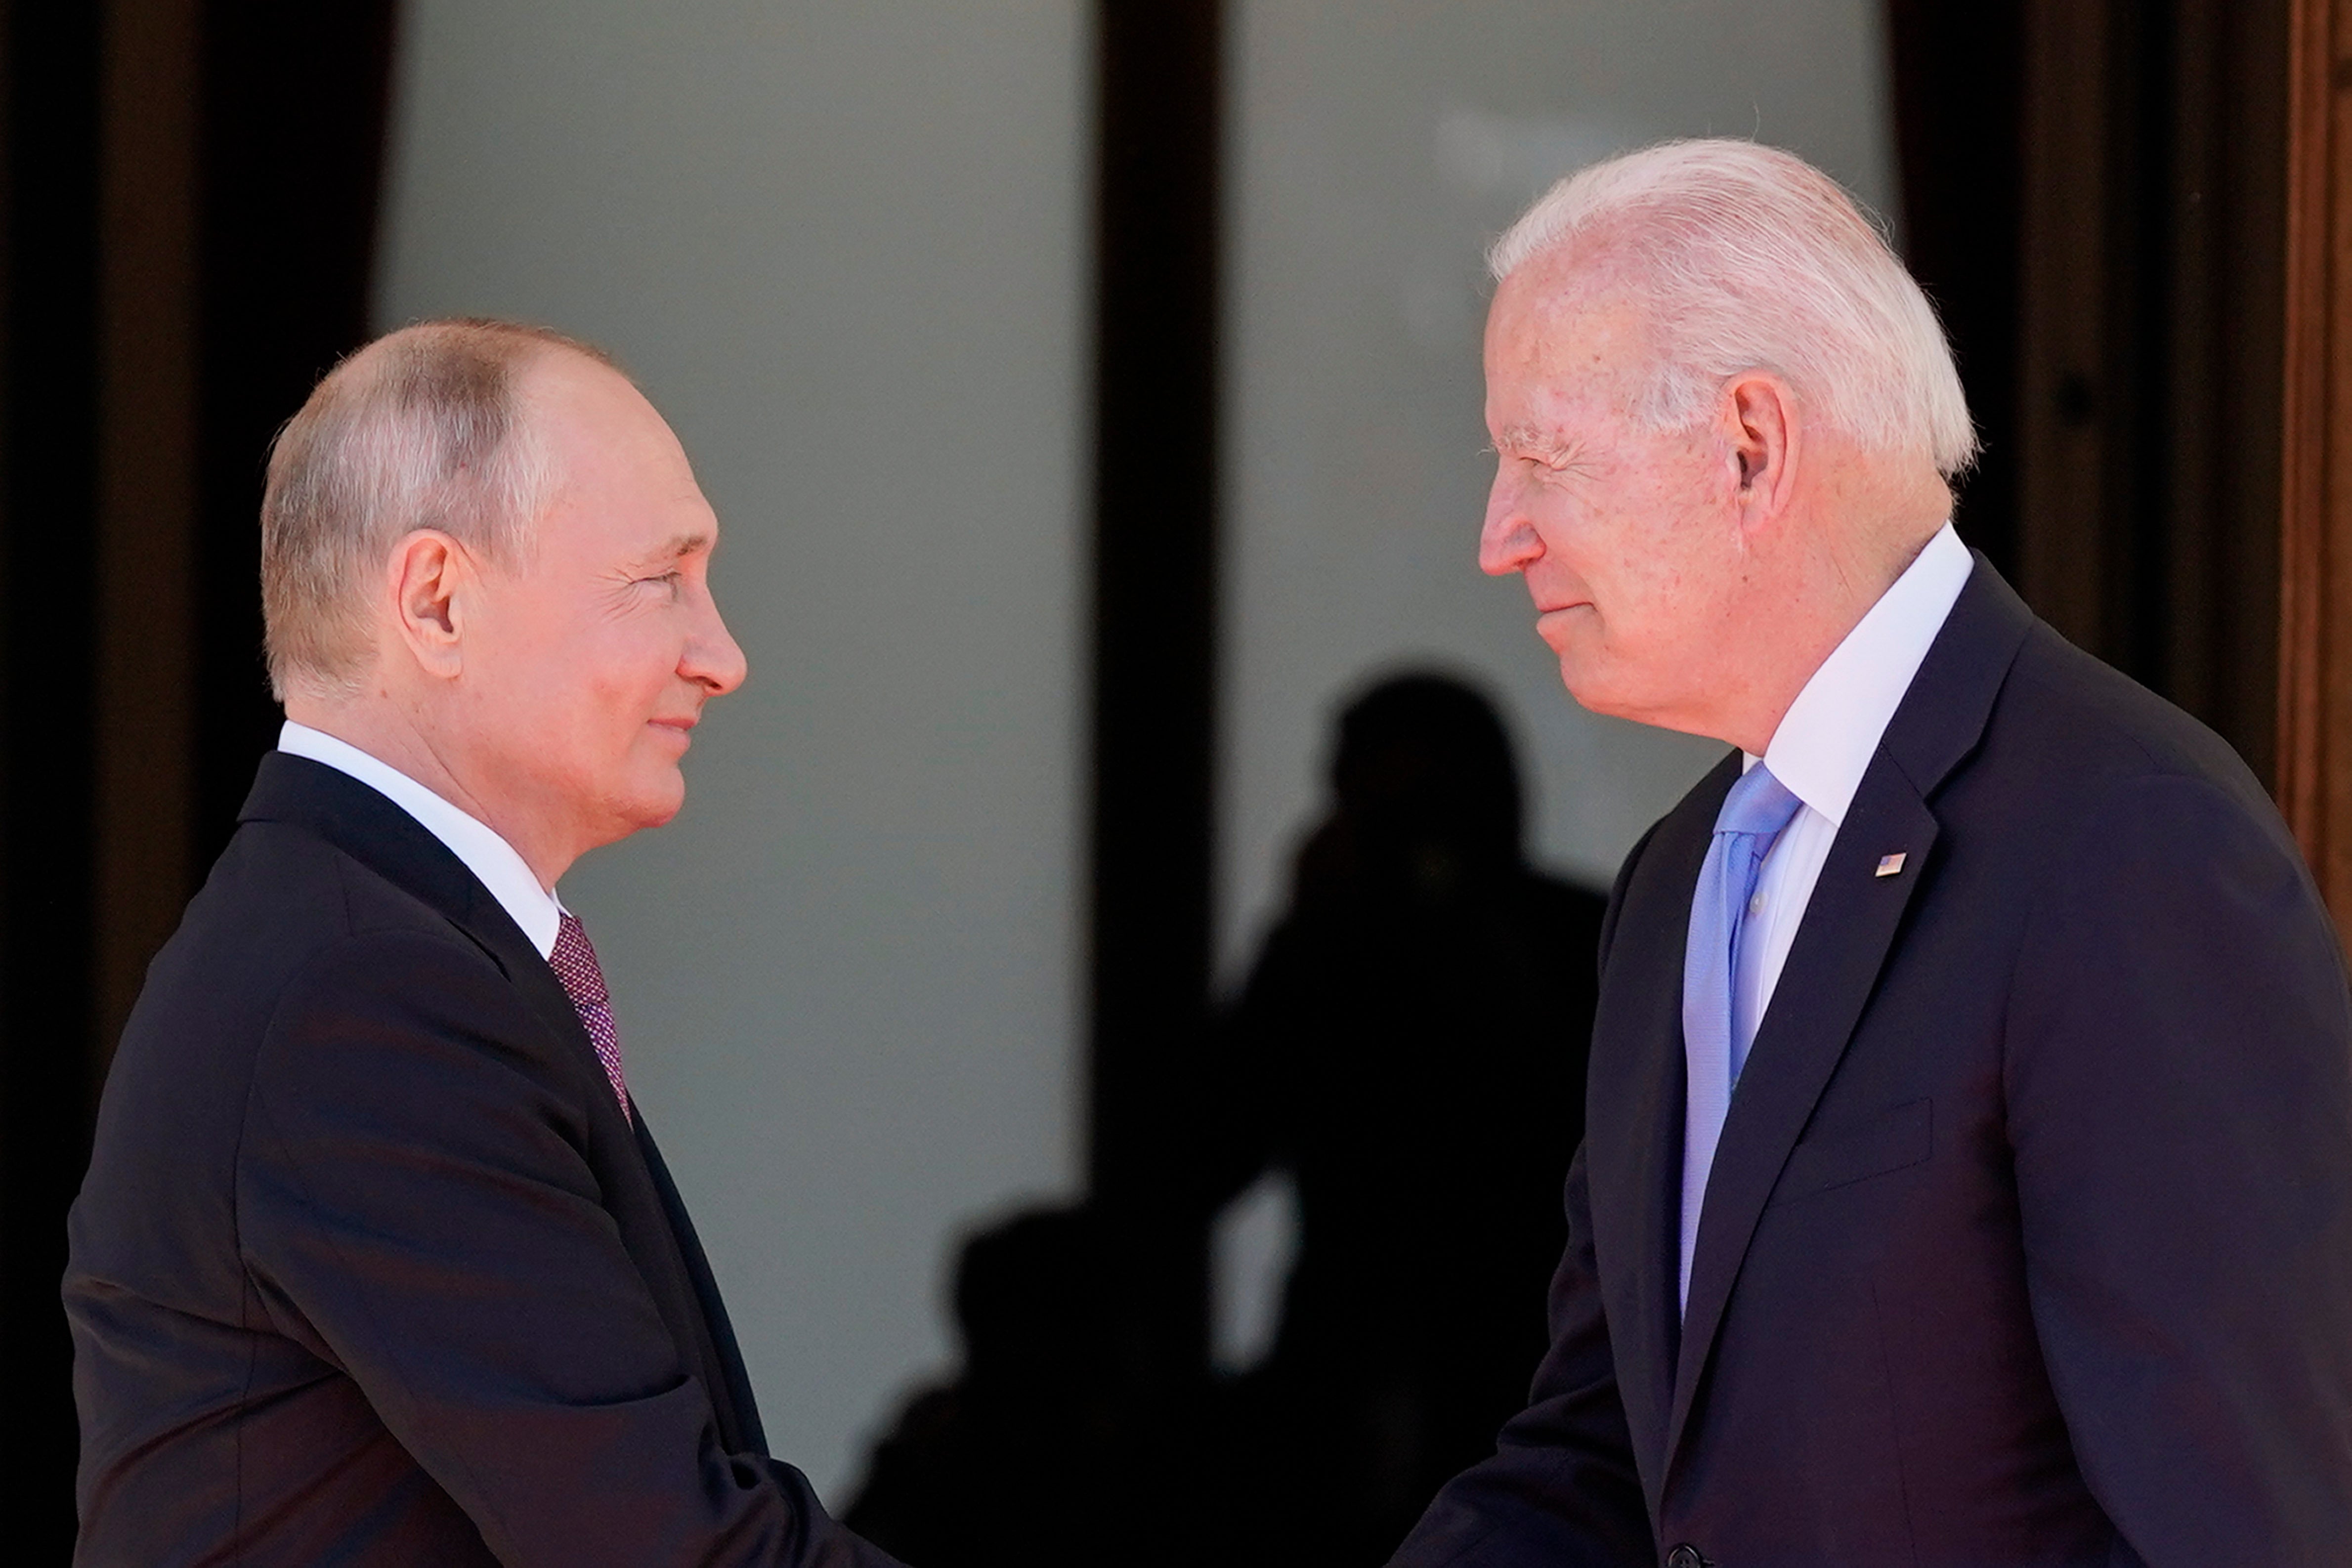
(1427, 1112)
(1057, 1446)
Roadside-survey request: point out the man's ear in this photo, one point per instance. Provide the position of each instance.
(433, 583)
(1761, 426)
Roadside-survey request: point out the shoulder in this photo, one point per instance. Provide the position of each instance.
(378, 987)
(278, 896)
(413, 1033)
(285, 920)
(2137, 833)
(289, 935)
(2081, 727)
(2077, 764)
(405, 1035)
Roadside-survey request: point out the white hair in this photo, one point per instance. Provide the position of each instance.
(420, 429)
(1746, 257)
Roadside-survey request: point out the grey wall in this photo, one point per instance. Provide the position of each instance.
(841, 242)
(1377, 147)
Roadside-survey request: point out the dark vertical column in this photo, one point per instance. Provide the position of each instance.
(2225, 227)
(2134, 369)
(2094, 194)
(1957, 68)
(295, 103)
(2151, 342)
(185, 229)
(1154, 568)
(142, 686)
(48, 420)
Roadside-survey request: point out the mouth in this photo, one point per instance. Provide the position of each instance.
(681, 727)
(1553, 624)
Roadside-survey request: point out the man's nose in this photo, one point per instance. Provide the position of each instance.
(1507, 542)
(712, 656)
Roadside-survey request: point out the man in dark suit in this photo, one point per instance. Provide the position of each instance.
(376, 1261)
(1968, 1179)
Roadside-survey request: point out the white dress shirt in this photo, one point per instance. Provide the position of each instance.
(1825, 741)
(490, 858)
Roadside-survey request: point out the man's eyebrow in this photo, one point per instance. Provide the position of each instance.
(1528, 438)
(692, 543)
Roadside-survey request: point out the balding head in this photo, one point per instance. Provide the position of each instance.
(486, 563)
(426, 427)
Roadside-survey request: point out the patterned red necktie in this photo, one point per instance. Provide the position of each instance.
(575, 962)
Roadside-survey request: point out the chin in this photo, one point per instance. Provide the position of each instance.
(1622, 699)
(1593, 690)
(655, 801)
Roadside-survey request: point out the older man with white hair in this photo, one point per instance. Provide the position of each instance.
(1968, 1179)
(376, 1261)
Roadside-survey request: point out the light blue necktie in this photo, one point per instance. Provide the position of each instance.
(1758, 807)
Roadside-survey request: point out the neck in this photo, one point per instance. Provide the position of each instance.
(1833, 589)
(386, 731)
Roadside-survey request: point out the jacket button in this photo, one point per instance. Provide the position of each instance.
(1686, 1556)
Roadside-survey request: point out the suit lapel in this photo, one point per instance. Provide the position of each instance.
(636, 1186)
(1831, 970)
(1635, 1110)
(1849, 927)
(373, 829)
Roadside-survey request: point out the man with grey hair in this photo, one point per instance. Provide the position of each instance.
(1968, 1179)
(376, 1261)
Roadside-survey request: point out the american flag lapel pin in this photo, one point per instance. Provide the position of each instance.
(1890, 865)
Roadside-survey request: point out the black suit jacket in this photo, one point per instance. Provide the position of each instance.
(369, 1268)
(2029, 1240)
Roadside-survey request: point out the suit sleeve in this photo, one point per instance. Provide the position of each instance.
(1561, 1491)
(414, 1207)
(2179, 1077)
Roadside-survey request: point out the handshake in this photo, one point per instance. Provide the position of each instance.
(1960, 1173)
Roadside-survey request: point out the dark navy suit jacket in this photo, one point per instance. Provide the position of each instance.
(2028, 1241)
(369, 1268)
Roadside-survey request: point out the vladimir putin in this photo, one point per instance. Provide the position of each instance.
(376, 1261)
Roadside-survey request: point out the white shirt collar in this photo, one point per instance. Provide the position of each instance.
(489, 857)
(1830, 733)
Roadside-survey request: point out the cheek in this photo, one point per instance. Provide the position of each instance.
(1611, 541)
(1653, 580)
(1576, 528)
(629, 692)
(613, 682)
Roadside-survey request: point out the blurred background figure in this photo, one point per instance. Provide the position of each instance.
(1057, 1446)
(1409, 1051)
(1410, 1046)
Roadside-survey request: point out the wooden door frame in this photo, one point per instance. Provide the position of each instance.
(2314, 736)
